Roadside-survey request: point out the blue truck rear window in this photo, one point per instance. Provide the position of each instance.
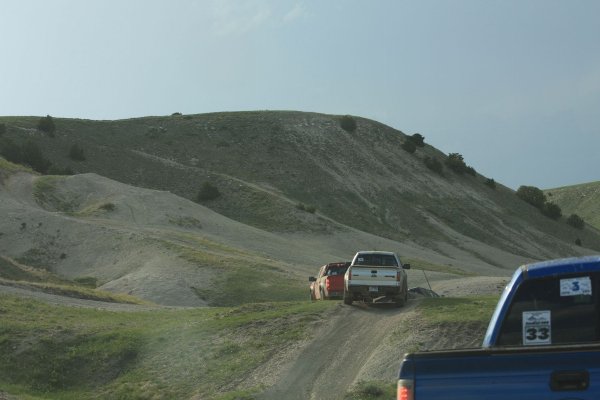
(553, 310)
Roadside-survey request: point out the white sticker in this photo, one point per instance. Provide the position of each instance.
(536, 327)
(576, 286)
(361, 259)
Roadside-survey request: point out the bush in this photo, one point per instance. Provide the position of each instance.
(2, 129)
(46, 124)
(456, 163)
(434, 164)
(551, 210)
(575, 221)
(107, 206)
(409, 146)
(87, 281)
(76, 153)
(348, 123)
(417, 139)
(208, 191)
(490, 183)
(306, 207)
(532, 195)
(471, 171)
(578, 242)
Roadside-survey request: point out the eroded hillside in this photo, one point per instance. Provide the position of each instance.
(296, 191)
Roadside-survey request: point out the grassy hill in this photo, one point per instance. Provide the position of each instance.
(270, 167)
(583, 200)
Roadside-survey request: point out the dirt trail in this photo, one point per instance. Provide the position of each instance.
(329, 365)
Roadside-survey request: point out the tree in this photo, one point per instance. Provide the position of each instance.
(46, 124)
(490, 183)
(208, 191)
(348, 123)
(532, 195)
(551, 210)
(418, 139)
(575, 221)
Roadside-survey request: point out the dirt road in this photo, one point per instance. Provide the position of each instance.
(329, 365)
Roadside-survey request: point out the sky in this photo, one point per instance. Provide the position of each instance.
(512, 85)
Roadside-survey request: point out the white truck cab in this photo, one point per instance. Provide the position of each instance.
(376, 276)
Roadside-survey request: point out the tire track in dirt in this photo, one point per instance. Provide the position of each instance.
(329, 365)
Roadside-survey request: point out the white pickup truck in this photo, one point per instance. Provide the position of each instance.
(376, 276)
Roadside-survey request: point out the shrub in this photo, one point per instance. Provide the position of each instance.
(409, 146)
(208, 191)
(76, 153)
(551, 210)
(471, 171)
(418, 139)
(2, 129)
(490, 183)
(532, 195)
(176, 114)
(308, 208)
(434, 164)
(456, 163)
(107, 206)
(348, 123)
(578, 242)
(575, 221)
(46, 124)
(87, 281)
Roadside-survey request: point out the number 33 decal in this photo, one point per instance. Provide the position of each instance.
(538, 334)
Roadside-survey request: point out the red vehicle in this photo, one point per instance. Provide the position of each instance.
(329, 284)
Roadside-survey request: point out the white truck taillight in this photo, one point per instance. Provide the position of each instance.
(398, 276)
(406, 389)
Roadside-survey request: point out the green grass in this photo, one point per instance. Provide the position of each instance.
(372, 390)
(448, 309)
(11, 167)
(53, 352)
(240, 277)
(74, 290)
(581, 199)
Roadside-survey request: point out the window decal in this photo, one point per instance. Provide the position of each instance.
(536, 328)
(576, 286)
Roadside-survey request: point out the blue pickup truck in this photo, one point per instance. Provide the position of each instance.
(543, 342)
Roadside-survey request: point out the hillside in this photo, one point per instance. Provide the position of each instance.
(127, 217)
(583, 200)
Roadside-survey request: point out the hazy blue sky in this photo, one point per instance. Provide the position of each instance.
(514, 86)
